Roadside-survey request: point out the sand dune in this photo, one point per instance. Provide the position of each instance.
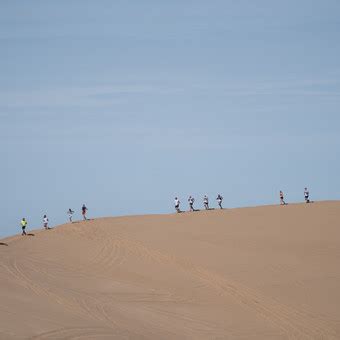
(253, 273)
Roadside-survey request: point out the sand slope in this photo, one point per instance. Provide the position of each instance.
(253, 273)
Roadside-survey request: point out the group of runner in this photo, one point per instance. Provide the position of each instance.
(305, 193)
(70, 213)
(191, 201)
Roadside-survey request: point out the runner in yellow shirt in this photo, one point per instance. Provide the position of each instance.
(23, 226)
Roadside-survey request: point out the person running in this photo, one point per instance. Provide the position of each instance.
(206, 202)
(177, 203)
(45, 222)
(70, 212)
(23, 226)
(83, 211)
(191, 201)
(306, 193)
(282, 201)
(219, 200)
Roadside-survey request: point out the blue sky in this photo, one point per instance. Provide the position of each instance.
(123, 105)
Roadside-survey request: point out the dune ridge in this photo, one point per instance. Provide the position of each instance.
(268, 272)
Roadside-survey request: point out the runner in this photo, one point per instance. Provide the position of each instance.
(206, 202)
(282, 201)
(306, 193)
(191, 201)
(45, 221)
(219, 200)
(23, 226)
(177, 203)
(83, 211)
(70, 213)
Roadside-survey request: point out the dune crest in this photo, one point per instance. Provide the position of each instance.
(251, 273)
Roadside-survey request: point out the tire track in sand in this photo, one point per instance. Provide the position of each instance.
(112, 254)
(18, 272)
(295, 323)
(80, 333)
(81, 303)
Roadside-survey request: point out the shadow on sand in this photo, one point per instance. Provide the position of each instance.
(3, 244)
(30, 234)
(88, 219)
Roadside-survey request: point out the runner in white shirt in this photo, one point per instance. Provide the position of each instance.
(206, 202)
(45, 221)
(306, 193)
(70, 213)
(219, 200)
(177, 203)
(282, 201)
(191, 201)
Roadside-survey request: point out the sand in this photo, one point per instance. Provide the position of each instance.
(268, 272)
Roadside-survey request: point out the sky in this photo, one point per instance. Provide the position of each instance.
(123, 105)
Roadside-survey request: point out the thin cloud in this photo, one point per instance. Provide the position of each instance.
(79, 96)
(103, 95)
